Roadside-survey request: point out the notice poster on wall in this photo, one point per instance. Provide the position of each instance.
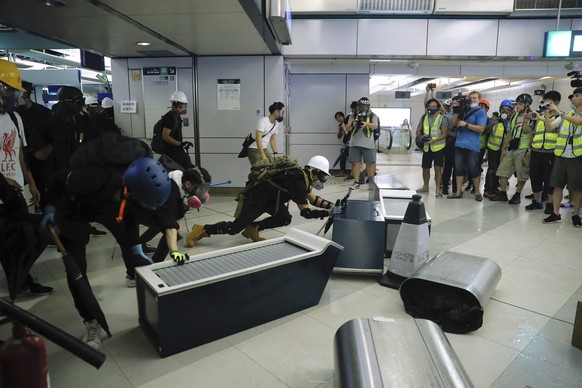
(228, 94)
(158, 85)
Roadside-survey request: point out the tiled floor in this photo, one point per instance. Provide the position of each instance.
(524, 341)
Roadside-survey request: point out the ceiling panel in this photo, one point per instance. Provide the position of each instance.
(113, 27)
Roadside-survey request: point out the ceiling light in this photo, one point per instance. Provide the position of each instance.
(53, 3)
(143, 43)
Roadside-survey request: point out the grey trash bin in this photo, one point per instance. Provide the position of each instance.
(451, 290)
(384, 352)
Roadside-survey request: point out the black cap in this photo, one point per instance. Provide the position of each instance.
(28, 86)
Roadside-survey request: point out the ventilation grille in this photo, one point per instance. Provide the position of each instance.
(526, 5)
(228, 263)
(395, 6)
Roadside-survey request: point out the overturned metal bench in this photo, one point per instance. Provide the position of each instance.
(223, 292)
(385, 352)
(451, 290)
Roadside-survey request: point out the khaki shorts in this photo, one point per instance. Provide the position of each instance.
(512, 162)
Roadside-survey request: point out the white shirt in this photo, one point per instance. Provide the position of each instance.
(10, 144)
(265, 126)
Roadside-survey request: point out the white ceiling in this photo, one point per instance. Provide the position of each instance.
(112, 27)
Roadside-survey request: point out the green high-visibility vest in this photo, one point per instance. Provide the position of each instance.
(434, 132)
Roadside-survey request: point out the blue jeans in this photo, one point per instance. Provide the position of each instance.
(467, 163)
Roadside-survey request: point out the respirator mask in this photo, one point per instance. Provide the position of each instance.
(9, 98)
(197, 196)
(319, 180)
(432, 111)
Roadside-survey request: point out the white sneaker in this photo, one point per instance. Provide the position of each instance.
(129, 282)
(93, 335)
(355, 186)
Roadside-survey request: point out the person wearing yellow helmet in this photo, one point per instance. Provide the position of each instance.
(13, 167)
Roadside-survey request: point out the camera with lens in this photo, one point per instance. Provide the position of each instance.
(513, 144)
(464, 105)
(576, 81)
(543, 107)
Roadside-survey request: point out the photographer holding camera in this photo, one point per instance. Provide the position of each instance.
(470, 121)
(567, 169)
(515, 147)
(432, 131)
(542, 151)
(362, 146)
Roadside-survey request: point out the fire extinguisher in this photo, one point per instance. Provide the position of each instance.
(23, 361)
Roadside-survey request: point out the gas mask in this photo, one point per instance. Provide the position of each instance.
(504, 116)
(197, 196)
(319, 178)
(432, 111)
(9, 98)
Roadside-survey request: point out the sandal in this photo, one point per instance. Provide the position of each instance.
(454, 196)
(421, 190)
(439, 195)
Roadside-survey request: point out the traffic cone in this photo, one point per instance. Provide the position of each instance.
(410, 250)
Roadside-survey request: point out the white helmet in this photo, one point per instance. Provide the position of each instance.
(90, 100)
(178, 96)
(319, 162)
(107, 103)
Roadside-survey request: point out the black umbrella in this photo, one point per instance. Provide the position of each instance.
(81, 283)
(342, 152)
(341, 204)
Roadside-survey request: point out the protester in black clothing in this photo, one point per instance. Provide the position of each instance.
(271, 197)
(32, 115)
(172, 130)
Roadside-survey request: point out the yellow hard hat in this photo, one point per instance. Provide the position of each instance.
(10, 75)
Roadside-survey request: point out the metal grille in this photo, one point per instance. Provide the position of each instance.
(546, 4)
(221, 265)
(425, 6)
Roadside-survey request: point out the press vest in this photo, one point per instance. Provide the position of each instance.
(542, 138)
(524, 138)
(562, 140)
(496, 137)
(434, 132)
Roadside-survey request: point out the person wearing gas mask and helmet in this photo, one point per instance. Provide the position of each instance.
(362, 146)
(432, 131)
(175, 146)
(190, 190)
(498, 131)
(267, 128)
(516, 143)
(271, 196)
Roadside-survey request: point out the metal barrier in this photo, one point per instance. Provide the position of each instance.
(223, 292)
(451, 290)
(385, 352)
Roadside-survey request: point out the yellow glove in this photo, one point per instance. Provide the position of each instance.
(179, 258)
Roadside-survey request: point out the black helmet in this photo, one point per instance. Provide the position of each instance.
(363, 105)
(69, 93)
(525, 98)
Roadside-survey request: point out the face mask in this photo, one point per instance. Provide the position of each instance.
(21, 101)
(198, 196)
(432, 111)
(279, 119)
(474, 105)
(317, 185)
(9, 103)
(504, 116)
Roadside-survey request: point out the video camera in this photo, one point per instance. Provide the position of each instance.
(543, 107)
(464, 106)
(576, 81)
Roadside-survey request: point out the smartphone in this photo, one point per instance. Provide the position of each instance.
(432, 86)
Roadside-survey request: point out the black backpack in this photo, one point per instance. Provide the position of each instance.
(377, 130)
(158, 145)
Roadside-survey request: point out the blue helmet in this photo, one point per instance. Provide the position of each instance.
(148, 182)
(505, 103)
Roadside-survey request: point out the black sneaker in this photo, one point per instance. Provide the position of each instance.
(552, 219)
(576, 221)
(96, 232)
(549, 208)
(502, 196)
(35, 289)
(515, 199)
(445, 191)
(529, 196)
(534, 205)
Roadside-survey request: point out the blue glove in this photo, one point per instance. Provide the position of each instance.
(137, 251)
(49, 217)
(179, 258)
